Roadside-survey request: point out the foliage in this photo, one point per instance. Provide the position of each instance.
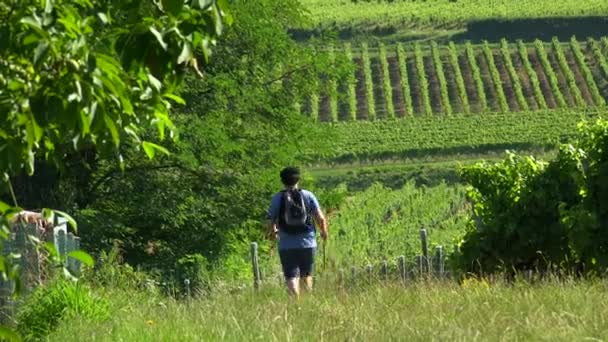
(421, 137)
(381, 223)
(550, 73)
(369, 83)
(522, 49)
(59, 300)
(240, 127)
(72, 78)
(531, 214)
(496, 73)
(506, 55)
(443, 83)
(555, 309)
(568, 73)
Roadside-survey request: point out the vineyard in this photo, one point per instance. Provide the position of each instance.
(428, 79)
(445, 18)
(430, 136)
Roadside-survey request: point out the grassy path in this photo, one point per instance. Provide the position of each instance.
(475, 311)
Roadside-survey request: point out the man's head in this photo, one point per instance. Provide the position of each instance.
(290, 176)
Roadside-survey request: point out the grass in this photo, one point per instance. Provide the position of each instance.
(420, 311)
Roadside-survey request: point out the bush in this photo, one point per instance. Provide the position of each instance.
(529, 214)
(59, 300)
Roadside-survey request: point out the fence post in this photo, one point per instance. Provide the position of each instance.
(401, 263)
(69, 247)
(255, 265)
(77, 263)
(440, 261)
(418, 263)
(353, 274)
(61, 243)
(187, 285)
(370, 270)
(425, 250)
(384, 269)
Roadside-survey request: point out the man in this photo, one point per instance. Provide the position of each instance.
(291, 217)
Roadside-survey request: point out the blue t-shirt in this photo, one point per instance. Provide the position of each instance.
(303, 240)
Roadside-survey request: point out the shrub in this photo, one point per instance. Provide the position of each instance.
(529, 214)
(59, 300)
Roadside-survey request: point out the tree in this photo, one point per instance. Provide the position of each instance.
(81, 75)
(239, 127)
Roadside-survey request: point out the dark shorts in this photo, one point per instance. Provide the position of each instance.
(297, 262)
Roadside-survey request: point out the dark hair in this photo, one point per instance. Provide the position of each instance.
(290, 176)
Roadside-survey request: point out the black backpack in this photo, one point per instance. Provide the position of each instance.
(293, 217)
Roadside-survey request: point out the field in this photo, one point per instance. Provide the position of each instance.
(552, 310)
(402, 20)
(455, 136)
(412, 80)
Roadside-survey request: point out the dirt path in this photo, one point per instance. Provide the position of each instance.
(580, 79)
(507, 83)
(545, 85)
(434, 88)
(450, 76)
(377, 79)
(524, 79)
(563, 84)
(469, 83)
(412, 74)
(488, 85)
(360, 90)
(398, 99)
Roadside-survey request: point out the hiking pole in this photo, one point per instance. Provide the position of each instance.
(324, 256)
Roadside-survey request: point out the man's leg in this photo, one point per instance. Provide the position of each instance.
(307, 263)
(290, 271)
(293, 286)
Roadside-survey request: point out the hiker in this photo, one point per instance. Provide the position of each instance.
(290, 217)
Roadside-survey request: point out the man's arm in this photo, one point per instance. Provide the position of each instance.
(271, 230)
(272, 218)
(322, 221)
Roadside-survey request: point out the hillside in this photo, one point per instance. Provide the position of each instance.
(411, 80)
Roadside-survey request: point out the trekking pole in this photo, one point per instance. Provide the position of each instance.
(324, 256)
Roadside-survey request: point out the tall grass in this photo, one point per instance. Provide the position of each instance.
(477, 310)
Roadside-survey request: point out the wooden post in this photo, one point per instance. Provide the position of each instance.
(353, 274)
(440, 261)
(384, 269)
(402, 271)
(370, 270)
(418, 263)
(69, 246)
(61, 243)
(77, 263)
(187, 285)
(255, 265)
(425, 250)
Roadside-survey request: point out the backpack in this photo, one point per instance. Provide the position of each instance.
(293, 214)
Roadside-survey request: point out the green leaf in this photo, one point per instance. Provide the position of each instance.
(4, 207)
(83, 257)
(204, 4)
(103, 17)
(159, 38)
(41, 51)
(175, 98)
(155, 82)
(48, 7)
(112, 128)
(32, 22)
(151, 148)
(50, 247)
(70, 219)
(186, 54)
(8, 334)
(173, 6)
